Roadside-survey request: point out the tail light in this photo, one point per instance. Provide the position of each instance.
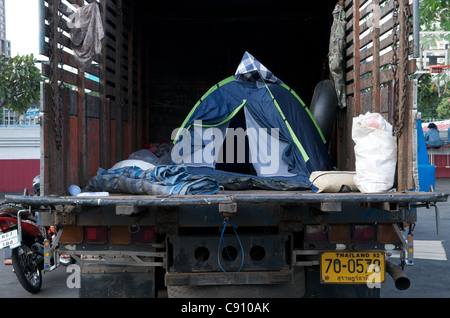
(145, 236)
(363, 233)
(339, 233)
(72, 235)
(315, 234)
(96, 234)
(5, 225)
(119, 235)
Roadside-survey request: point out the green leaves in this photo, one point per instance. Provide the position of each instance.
(432, 11)
(19, 82)
(443, 109)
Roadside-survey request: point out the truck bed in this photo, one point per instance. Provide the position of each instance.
(224, 197)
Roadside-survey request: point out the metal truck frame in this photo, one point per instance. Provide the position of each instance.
(252, 243)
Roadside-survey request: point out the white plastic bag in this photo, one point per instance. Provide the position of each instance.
(375, 153)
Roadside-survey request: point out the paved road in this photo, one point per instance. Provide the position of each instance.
(53, 283)
(429, 278)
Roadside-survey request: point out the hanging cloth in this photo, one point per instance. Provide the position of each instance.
(251, 70)
(86, 35)
(336, 53)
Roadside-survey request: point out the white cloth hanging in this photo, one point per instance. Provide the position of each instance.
(86, 35)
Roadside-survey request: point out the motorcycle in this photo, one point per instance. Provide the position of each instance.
(27, 242)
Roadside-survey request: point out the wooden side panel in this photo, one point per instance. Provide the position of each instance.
(369, 78)
(73, 157)
(102, 110)
(93, 154)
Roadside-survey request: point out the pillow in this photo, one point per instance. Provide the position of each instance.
(333, 181)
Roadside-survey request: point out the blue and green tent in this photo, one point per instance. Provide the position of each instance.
(283, 144)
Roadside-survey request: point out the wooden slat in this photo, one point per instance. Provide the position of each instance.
(111, 44)
(93, 147)
(47, 136)
(110, 91)
(118, 91)
(72, 78)
(376, 93)
(111, 18)
(52, 153)
(105, 135)
(82, 128)
(356, 56)
(140, 88)
(384, 77)
(110, 4)
(130, 125)
(405, 180)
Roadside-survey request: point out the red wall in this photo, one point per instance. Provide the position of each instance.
(17, 174)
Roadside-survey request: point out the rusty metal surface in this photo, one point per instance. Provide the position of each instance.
(288, 197)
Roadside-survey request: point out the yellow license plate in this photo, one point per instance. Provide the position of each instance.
(343, 267)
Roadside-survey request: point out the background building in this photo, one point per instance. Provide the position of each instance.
(434, 50)
(19, 135)
(5, 45)
(19, 148)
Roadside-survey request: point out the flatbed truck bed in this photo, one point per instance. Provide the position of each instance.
(226, 196)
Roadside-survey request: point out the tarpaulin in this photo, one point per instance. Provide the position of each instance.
(171, 180)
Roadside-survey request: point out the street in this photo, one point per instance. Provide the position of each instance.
(429, 278)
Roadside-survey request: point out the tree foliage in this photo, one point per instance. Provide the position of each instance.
(19, 82)
(443, 109)
(432, 11)
(427, 97)
(432, 101)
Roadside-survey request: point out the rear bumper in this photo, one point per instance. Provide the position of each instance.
(202, 279)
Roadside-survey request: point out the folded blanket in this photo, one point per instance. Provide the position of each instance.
(171, 180)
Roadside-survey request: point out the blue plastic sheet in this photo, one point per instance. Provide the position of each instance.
(170, 180)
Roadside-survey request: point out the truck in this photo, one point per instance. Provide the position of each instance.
(156, 61)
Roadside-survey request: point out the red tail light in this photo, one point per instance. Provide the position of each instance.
(315, 234)
(4, 225)
(96, 234)
(363, 233)
(145, 236)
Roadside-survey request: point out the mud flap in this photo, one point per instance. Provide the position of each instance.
(117, 282)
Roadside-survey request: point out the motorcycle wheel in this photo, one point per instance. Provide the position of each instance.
(29, 276)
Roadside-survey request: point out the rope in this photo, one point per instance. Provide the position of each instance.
(222, 240)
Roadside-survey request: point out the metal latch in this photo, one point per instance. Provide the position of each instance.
(65, 215)
(328, 206)
(128, 209)
(228, 209)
